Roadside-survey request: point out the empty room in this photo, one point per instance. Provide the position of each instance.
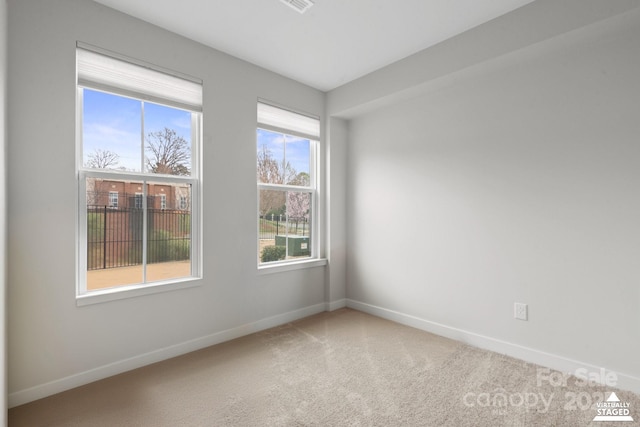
(320, 213)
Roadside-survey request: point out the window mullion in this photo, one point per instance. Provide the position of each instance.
(142, 137)
(280, 187)
(145, 194)
(286, 223)
(144, 197)
(284, 159)
(314, 226)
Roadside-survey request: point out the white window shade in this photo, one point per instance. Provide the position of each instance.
(287, 121)
(108, 73)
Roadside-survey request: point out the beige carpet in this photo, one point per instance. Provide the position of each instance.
(344, 368)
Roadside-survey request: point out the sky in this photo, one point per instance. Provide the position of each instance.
(114, 123)
(286, 147)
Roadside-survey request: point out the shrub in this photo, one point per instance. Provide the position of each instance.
(162, 247)
(180, 249)
(273, 253)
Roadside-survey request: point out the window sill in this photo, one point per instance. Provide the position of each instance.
(291, 265)
(124, 292)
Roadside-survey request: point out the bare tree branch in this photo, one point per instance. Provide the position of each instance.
(102, 159)
(169, 153)
(271, 171)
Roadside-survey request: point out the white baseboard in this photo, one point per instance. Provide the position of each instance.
(559, 363)
(335, 305)
(43, 390)
(626, 382)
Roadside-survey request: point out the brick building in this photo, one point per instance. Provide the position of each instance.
(115, 222)
(117, 194)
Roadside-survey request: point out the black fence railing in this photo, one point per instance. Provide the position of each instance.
(275, 225)
(114, 236)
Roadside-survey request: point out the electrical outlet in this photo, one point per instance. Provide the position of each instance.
(520, 311)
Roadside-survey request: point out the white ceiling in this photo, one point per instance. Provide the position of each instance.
(334, 42)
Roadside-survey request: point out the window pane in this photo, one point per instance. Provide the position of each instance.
(111, 129)
(298, 235)
(271, 223)
(284, 225)
(168, 232)
(114, 234)
(270, 167)
(283, 159)
(167, 140)
(298, 160)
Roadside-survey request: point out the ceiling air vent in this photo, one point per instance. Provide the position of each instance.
(300, 5)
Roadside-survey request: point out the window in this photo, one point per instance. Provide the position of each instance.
(183, 202)
(139, 132)
(287, 145)
(113, 199)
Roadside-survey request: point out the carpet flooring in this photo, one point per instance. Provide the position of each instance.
(343, 368)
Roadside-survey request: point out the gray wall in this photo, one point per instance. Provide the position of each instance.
(499, 166)
(336, 173)
(3, 204)
(54, 344)
(512, 179)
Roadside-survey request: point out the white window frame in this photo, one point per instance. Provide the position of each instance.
(138, 200)
(275, 118)
(189, 100)
(163, 201)
(113, 201)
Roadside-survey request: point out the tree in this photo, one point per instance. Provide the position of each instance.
(301, 179)
(271, 171)
(170, 154)
(268, 168)
(99, 159)
(298, 206)
(102, 159)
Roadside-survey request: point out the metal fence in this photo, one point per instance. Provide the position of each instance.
(114, 236)
(275, 225)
